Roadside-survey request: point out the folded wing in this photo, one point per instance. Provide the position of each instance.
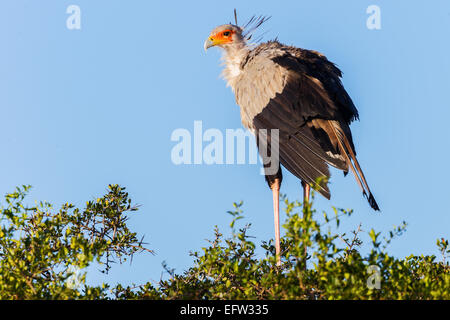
(299, 92)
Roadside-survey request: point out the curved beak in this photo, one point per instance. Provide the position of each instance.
(208, 43)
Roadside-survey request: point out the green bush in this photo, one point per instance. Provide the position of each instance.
(40, 250)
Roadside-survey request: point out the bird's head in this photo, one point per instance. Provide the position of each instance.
(229, 36)
(225, 36)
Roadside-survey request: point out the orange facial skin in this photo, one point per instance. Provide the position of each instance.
(222, 37)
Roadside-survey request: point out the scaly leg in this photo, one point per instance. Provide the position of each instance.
(306, 193)
(276, 215)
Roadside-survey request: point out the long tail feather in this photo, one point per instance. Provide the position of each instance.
(348, 153)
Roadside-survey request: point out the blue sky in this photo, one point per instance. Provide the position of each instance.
(85, 108)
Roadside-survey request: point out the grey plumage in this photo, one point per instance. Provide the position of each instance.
(300, 93)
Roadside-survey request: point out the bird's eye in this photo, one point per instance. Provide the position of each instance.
(226, 33)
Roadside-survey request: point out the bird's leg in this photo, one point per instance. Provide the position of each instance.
(275, 186)
(274, 182)
(306, 193)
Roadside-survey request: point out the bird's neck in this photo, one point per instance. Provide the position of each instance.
(232, 58)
